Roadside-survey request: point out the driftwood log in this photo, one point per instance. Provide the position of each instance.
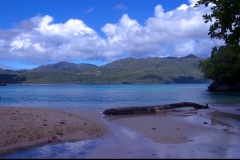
(150, 109)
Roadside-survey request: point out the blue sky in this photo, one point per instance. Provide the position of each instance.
(39, 32)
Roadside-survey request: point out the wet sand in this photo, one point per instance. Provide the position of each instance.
(177, 126)
(176, 133)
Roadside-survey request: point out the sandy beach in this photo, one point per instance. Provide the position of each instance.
(174, 133)
(174, 126)
(179, 133)
(24, 128)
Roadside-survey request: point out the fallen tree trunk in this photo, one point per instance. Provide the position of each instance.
(150, 109)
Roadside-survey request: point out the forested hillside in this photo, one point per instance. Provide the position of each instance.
(124, 71)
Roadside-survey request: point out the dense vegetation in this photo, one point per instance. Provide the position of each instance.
(124, 71)
(223, 66)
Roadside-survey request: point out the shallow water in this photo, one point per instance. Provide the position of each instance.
(126, 143)
(100, 97)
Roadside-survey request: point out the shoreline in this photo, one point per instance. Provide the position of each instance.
(170, 128)
(25, 127)
(177, 126)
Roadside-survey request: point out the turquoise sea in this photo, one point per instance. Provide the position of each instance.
(100, 97)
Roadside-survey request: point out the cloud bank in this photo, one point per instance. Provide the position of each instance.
(175, 33)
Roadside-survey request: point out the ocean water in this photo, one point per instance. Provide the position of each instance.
(100, 97)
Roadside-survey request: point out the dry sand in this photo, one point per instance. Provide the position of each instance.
(210, 129)
(23, 128)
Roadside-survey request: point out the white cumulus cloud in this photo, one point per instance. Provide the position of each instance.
(177, 32)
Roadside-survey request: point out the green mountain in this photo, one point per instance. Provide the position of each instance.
(124, 71)
(62, 66)
(154, 70)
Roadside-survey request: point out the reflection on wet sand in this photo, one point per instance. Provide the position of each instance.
(180, 133)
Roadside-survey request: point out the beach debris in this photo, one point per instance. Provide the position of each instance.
(59, 133)
(177, 129)
(62, 122)
(153, 128)
(224, 129)
(45, 125)
(54, 138)
(85, 123)
(151, 109)
(205, 123)
(49, 141)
